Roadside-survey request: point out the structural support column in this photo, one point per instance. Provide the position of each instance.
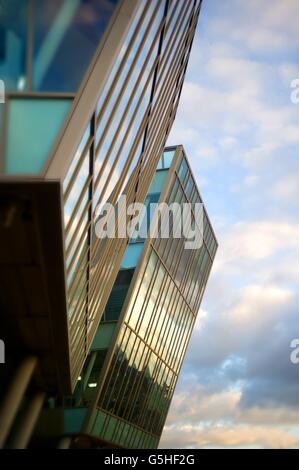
(89, 369)
(14, 395)
(24, 431)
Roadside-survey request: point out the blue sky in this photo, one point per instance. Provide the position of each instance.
(238, 387)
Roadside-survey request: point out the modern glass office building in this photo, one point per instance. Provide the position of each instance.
(91, 92)
(124, 393)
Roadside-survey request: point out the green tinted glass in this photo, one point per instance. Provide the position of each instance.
(33, 125)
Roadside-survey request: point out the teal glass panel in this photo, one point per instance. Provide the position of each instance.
(124, 432)
(132, 255)
(86, 385)
(33, 126)
(151, 204)
(97, 422)
(167, 158)
(189, 186)
(109, 431)
(160, 164)
(73, 419)
(183, 169)
(13, 43)
(118, 431)
(66, 36)
(158, 181)
(103, 336)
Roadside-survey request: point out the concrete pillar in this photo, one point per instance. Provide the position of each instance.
(22, 434)
(14, 395)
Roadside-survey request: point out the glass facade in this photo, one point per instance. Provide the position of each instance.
(32, 127)
(88, 109)
(66, 29)
(46, 47)
(137, 381)
(120, 152)
(13, 43)
(121, 286)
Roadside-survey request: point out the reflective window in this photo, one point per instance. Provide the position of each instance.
(87, 382)
(158, 181)
(132, 255)
(118, 295)
(166, 160)
(104, 335)
(76, 159)
(76, 211)
(13, 43)
(157, 326)
(168, 157)
(45, 46)
(66, 35)
(183, 169)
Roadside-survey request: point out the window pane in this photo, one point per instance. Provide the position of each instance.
(13, 44)
(104, 336)
(168, 157)
(66, 35)
(33, 125)
(132, 255)
(158, 181)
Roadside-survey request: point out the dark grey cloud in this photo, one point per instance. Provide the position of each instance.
(238, 386)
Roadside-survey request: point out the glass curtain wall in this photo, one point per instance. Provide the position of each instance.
(126, 136)
(144, 363)
(46, 47)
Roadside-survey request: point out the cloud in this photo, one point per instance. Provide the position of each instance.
(287, 188)
(228, 437)
(245, 243)
(238, 372)
(238, 387)
(200, 406)
(197, 404)
(258, 27)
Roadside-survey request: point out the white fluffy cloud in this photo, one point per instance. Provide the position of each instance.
(241, 132)
(245, 243)
(238, 386)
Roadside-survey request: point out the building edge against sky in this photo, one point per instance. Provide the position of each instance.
(140, 372)
(94, 138)
(123, 395)
(120, 115)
